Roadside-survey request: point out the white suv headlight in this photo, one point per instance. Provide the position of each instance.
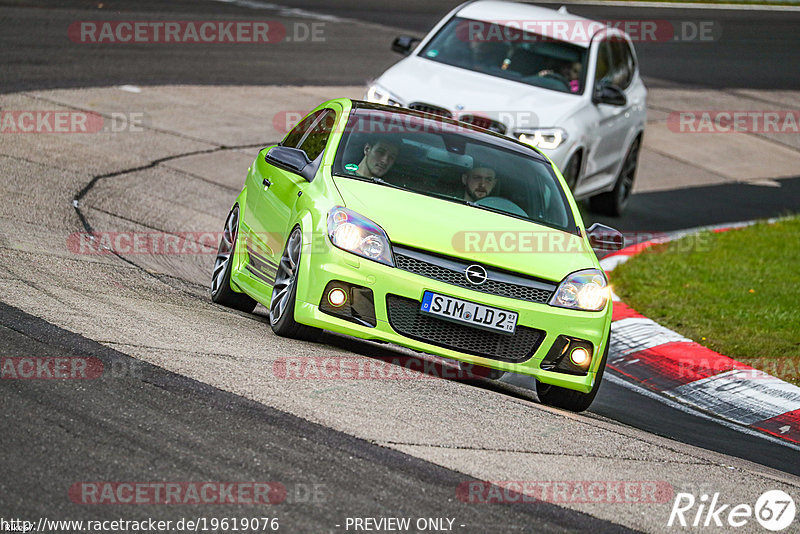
(379, 95)
(583, 290)
(546, 138)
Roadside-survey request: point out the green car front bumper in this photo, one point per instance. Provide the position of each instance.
(392, 288)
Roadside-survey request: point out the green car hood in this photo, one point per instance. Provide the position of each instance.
(452, 229)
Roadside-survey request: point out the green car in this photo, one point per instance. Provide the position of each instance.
(405, 227)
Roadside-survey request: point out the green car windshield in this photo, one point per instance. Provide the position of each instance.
(444, 159)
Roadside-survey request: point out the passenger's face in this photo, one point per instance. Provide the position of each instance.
(574, 71)
(379, 158)
(479, 182)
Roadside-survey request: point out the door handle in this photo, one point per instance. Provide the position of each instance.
(266, 183)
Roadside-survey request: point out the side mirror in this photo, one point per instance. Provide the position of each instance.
(404, 44)
(605, 93)
(602, 237)
(288, 158)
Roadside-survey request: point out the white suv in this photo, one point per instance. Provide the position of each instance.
(567, 85)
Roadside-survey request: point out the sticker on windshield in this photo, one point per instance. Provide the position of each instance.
(432, 53)
(352, 167)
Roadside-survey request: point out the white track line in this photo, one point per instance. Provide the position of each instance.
(284, 10)
(697, 413)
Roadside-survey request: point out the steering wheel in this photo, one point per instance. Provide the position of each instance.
(554, 76)
(501, 204)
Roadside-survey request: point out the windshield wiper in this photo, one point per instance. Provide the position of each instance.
(374, 180)
(494, 210)
(381, 181)
(536, 220)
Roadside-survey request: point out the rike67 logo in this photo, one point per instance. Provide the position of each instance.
(774, 510)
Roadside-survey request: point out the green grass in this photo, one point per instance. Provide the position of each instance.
(736, 292)
(731, 2)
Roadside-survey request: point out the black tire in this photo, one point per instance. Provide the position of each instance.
(571, 171)
(615, 201)
(221, 291)
(284, 293)
(569, 399)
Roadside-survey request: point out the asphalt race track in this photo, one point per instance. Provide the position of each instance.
(214, 435)
(189, 391)
(37, 57)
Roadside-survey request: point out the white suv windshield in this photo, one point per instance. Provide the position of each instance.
(443, 159)
(509, 53)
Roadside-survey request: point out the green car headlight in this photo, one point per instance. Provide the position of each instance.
(355, 233)
(583, 290)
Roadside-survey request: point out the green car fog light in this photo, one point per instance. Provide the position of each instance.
(569, 355)
(579, 356)
(350, 302)
(337, 297)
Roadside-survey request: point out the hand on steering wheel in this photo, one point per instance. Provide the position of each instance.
(547, 73)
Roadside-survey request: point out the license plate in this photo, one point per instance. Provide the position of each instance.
(469, 313)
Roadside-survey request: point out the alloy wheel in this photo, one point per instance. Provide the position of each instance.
(286, 277)
(225, 251)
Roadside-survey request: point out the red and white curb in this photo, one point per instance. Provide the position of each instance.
(662, 361)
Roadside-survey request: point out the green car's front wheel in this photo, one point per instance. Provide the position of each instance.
(221, 291)
(284, 292)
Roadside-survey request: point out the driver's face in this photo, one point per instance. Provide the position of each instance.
(479, 183)
(379, 158)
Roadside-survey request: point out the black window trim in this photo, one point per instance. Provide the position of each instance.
(311, 170)
(322, 114)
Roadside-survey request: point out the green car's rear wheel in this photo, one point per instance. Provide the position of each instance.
(569, 399)
(284, 292)
(221, 291)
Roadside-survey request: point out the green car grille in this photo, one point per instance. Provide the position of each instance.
(406, 319)
(451, 271)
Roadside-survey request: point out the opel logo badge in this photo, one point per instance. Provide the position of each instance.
(475, 274)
